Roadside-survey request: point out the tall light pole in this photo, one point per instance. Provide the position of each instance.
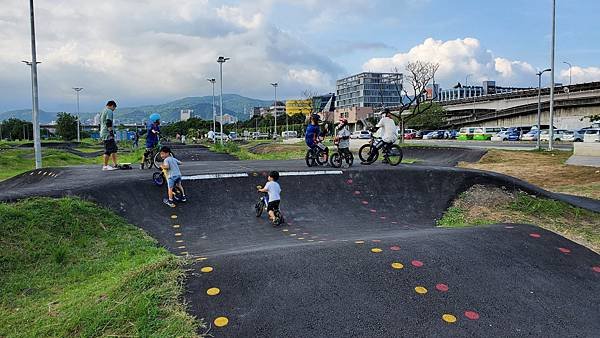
(551, 127)
(221, 60)
(275, 108)
(539, 112)
(37, 144)
(569, 64)
(212, 81)
(77, 90)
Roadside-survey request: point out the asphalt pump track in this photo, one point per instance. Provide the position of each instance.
(360, 255)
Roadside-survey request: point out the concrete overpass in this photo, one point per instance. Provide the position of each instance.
(572, 103)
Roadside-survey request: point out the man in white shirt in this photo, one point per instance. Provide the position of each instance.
(388, 132)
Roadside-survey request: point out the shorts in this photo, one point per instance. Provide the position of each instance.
(171, 181)
(110, 147)
(273, 205)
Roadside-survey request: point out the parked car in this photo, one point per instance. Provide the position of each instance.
(592, 135)
(233, 136)
(486, 133)
(466, 133)
(422, 133)
(361, 134)
(439, 134)
(453, 134)
(530, 136)
(573, 135)
(430, 136)
(218, 136)
(501, 136)
(289, 134)
(408, 133)
(557, 136)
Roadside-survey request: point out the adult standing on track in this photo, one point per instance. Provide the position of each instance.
(107, 135)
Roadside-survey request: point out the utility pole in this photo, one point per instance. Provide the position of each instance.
(221, 60)
(539, 112)
(551, 127)
(77, 90)
(569, 64)
(212, 81)
(275, 109)
(37, 144)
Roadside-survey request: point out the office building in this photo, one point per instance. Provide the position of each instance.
(279, 108)
(319, 103)
(369, 90)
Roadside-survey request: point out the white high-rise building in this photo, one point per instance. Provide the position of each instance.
(185, 114)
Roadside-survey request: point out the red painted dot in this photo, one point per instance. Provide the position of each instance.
(349, 181)
(357, 192)
(382, 217)
(373, 210)
(394, 222)
(442, 287)
(564, 250)
(376, 241)
(395, 248)
(416, 263)
(365, 202)
(509, 227)
(534, 235)
(596, 268)
(472, 315)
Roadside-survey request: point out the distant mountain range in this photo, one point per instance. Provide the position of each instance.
(233, 104)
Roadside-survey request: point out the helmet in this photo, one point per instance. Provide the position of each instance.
(316, 117)
(154, 118)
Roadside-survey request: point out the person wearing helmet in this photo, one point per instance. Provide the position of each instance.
(388, 132)
(343, 136)
(312, 131)
(152, 135)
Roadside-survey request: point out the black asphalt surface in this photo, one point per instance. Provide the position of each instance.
(317, 276)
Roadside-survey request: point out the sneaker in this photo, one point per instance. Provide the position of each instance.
(169, 203)
(108, 168)
(183, 199)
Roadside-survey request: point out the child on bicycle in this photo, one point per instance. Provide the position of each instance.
(312, 132)
(343, 136)
(151, 136)
(388, 132)
(274, 191)
(170, 166)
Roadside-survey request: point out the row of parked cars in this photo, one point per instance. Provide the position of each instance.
(578, 135)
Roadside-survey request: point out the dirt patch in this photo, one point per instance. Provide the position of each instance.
(547, 170)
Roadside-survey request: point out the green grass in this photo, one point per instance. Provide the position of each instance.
(69, 268)
(17, 161)
(456, 217)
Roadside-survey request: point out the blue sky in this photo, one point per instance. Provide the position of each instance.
(165, 50)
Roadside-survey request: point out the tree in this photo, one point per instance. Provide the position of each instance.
(432, 118)
(16, 129)
(66, 126)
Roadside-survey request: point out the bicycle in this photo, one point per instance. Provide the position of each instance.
(368, 153)
(152, 158)
(317, 155)
(340, 155)
(261, 206)
(160, 178)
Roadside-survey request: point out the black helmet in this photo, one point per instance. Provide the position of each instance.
(316, 117)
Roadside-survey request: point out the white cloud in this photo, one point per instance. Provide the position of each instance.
(580, 74)
(152, 52)
(458, 58)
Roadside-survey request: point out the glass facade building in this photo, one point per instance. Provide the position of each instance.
(369, 90)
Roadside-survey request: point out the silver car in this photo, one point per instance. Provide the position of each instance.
(573, 136)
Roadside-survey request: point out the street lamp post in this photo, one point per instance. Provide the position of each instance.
(551, 127)
(212, 81)
(77, 90)
(275, 109)
(221, 60)
(539, 111)
(569, 64)
(37, 144)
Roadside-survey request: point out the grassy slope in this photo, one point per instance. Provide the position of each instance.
(70, 268)
(545, 169)
(491, 205)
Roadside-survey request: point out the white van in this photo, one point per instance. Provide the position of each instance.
(592, 135)
(289, 134)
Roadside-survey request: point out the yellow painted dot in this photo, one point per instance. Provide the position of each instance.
(360, 242)
(207, 269)
(221, 321)
(179, 241)
(176, 226)
(420, 290)
(181, 247)
(448, 318)
(285, 230)
(300, 238)
(397, 265)
(178, 234)
(376, 250)
(185, 253)
(200, 259)
(173, 216)
(213, 291)
(292, 235)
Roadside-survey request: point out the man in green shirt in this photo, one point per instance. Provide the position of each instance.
(108, 136)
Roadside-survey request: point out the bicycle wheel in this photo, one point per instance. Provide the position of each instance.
(336, 160)
(258, 208)
(158, 179)
(365, 152)
(394, 155)
(158, 160)
(310, 161)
